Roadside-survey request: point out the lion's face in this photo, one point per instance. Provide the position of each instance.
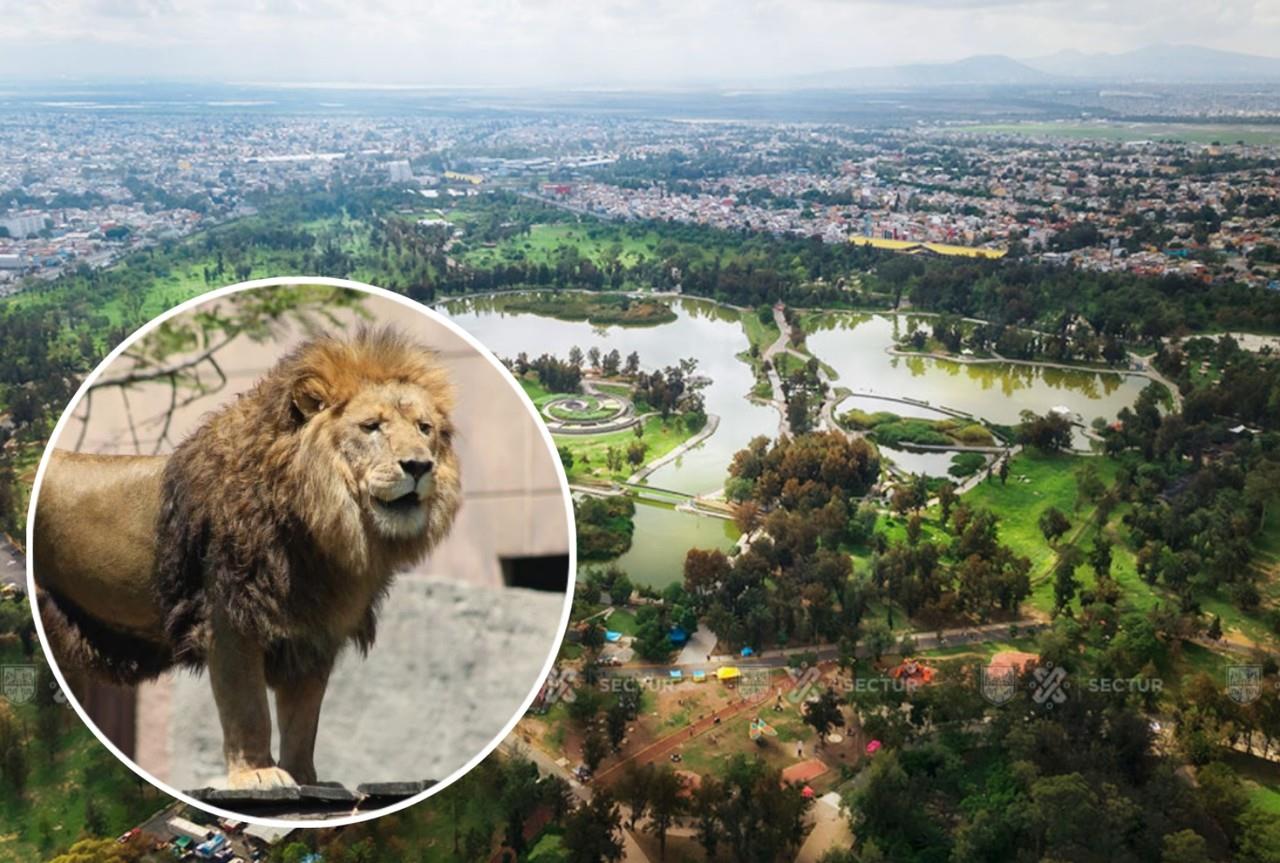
(391, 438)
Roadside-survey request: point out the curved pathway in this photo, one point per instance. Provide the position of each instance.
(13, 566)
(713, 422)
(775, 380)
(625, 419)
(915, 403)
(1156, 375)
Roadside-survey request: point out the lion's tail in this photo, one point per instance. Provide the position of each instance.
(80, 641)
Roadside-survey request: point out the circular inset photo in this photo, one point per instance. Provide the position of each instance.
(302, 551)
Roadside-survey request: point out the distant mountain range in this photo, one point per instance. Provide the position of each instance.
(1156, 64)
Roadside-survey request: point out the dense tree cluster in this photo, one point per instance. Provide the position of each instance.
(604, 526)
(554, 374)
(1048, 433)
(673, 389)
(1080, 781)
(1122, 305)
(1068, 338)
(748, 811)
(805, 472)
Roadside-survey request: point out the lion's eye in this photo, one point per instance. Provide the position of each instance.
(371, 426)
(424, 427)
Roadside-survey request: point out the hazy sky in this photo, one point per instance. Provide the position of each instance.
(582, 42)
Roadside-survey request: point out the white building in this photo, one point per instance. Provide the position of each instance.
(21, 225)
(400, 172)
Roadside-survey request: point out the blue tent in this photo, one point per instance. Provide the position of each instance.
(677, 636)
(612, 636)
(747, 651)
(676, 674)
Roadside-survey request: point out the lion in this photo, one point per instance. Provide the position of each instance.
(262, 546)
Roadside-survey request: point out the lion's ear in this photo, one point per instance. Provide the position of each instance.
(309, 397)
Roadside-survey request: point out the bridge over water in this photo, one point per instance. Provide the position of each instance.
(706, 505)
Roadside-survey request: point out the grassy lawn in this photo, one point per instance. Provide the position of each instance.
(589, 451)
(548, 849)
(1050, 482)
(615, 389)
(622, 620)
(600, 243)
(892, 430)
(591, 409)
(1143, 596)
(166, 279)
(1195, 659)
(1193, 133)
(759, 333)
(1261, 781)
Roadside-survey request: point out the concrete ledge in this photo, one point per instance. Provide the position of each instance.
(452, 664)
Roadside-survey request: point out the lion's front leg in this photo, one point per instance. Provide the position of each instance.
(236, 671)
(298, 712)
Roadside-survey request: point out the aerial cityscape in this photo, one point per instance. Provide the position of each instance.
(922, 422)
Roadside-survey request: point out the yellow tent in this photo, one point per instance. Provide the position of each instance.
(728, 673)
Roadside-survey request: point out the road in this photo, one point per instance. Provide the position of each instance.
(516, 746)
(13, 565)
(925, 640)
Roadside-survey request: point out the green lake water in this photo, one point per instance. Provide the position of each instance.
(853, 345)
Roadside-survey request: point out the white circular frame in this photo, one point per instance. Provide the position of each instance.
(483, 351)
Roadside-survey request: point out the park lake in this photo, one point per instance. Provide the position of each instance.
(856, 346)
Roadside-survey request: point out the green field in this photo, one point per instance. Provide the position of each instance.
(166, 278)
(661, 437)
(1194, 133)
(543, 244)
(1261, 781)
(1051, 482)
(622, 620)
(759, 333)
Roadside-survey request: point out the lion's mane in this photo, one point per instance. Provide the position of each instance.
(257, 520)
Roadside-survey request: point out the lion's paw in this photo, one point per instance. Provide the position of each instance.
(259, 777)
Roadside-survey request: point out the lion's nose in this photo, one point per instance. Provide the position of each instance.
(417, 468)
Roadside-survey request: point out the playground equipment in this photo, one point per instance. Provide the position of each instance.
(759, 728)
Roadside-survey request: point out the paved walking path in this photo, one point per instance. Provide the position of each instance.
(713, 423)
(830, 830)
(775, 380)
(13, 566)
